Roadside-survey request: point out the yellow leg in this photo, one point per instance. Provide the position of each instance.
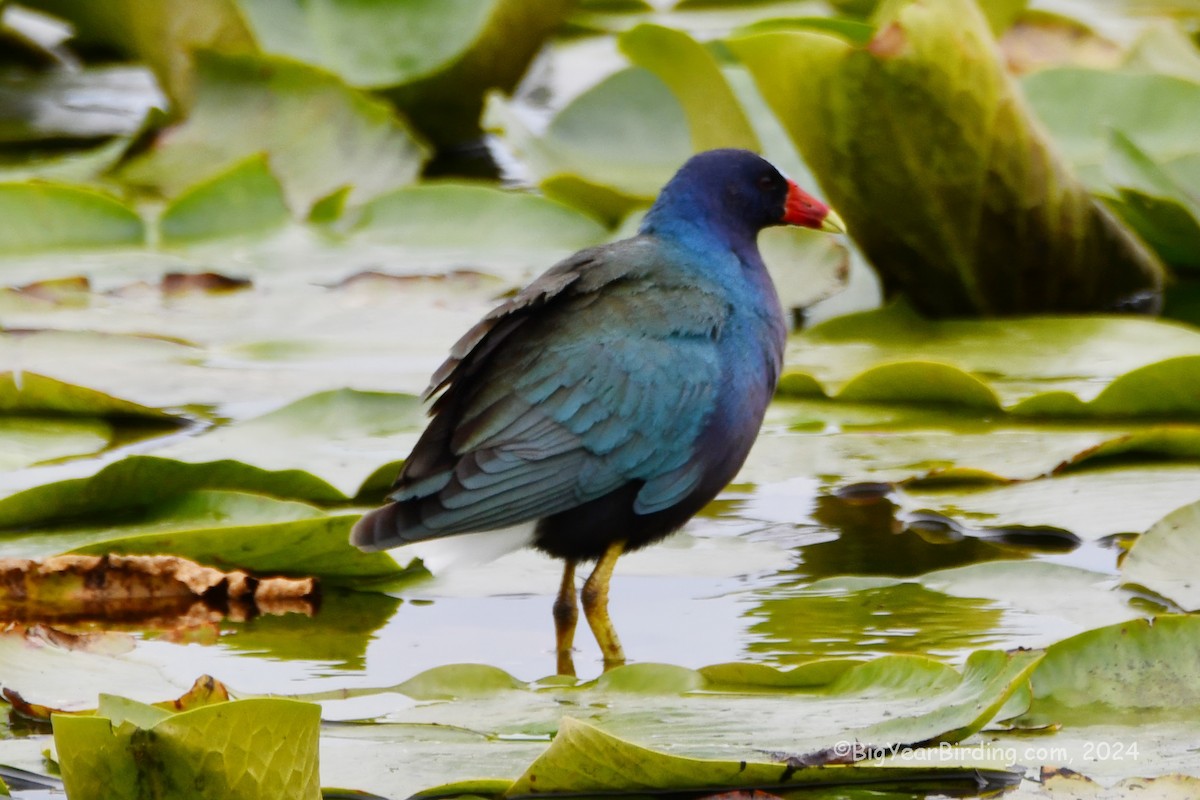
(566, 614)
(595, 606)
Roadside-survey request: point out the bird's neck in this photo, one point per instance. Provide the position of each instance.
(698, 232)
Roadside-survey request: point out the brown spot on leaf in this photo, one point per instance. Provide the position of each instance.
(73, 291)
(185, 282)
(889, 42)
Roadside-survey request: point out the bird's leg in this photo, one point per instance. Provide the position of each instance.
(595, 606)
(566, 614)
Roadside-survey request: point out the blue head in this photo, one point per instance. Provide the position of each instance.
(726, 197)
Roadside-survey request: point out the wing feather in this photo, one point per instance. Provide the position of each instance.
(595, 376)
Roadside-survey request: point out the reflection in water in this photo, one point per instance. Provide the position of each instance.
(337, 634)
(793, 623)
(793, 628)
(872, 541)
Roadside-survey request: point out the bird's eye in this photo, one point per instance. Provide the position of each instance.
(766, 183)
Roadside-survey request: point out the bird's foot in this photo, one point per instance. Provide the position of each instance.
(595, 607)
(566, 663)
(566, 614)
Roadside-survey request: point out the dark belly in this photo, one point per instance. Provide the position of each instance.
(583, 533)
(586, 531)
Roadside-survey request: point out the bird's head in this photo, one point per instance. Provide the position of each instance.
(738, 192)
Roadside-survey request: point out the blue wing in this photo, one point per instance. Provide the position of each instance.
(600, 373)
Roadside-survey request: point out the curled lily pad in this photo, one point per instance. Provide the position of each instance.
(30, 393)
(235, 750)
(1163, 558)
(235, 530)
(922, 143)
(584, 759)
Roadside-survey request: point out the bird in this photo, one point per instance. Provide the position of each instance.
(614, 396)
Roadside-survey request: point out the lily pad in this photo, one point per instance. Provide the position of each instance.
(989, 679)
(341, 437)
(1131, 670)
(1061, 367)
(30, 393)
(437, 59)
(45, 216)
(136, 482)
(239, 749)
(584, 759)
(1163, 558)
(922, 143)
(228, 530)
(715, 118)
(245, 199)
(610, 150)
(1154, 204)
(318, 134)
(522, 233)
(1156, 112)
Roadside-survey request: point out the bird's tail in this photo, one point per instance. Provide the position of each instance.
(391, 526)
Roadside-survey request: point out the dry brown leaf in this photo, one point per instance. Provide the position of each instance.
(169, 589)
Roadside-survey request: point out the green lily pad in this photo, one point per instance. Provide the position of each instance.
(989, 679)
(318, 134)
(515, 234)
(1163, 558)
(232, 530)
(1156, 112)
(38, 394)
(922, 144)
(245, 199)
(239, 749)
(340, 437)
(609, 150)
(1131, 670)
(46, 216)
(1064, 366)
(715, 118)
(1163, 213)
(456, 681)
(137, 482)
(919, 382)
(437, 59)
(584, 759)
